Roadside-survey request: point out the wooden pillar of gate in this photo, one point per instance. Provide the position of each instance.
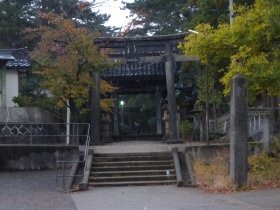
(172, 106)
(95, 109)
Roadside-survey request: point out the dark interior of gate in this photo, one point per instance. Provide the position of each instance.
(147, 76)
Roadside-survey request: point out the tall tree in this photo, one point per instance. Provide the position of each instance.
(65, 56)
(166, 17)
(250, 46)
(15, 16)
(85, 13)
(155, 16)
(212, 12)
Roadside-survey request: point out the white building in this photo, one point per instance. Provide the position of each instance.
(13, 63)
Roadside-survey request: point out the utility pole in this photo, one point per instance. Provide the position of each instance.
(230, 11)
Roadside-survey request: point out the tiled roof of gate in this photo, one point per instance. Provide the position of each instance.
(17, 58)
(135, 69)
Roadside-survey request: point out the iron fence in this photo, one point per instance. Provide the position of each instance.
(75, 134)
(44, 133)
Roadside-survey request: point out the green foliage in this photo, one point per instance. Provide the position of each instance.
(14, 17)
(155, 16)
(260, 163)
(249, 47)
(186, 128)
(213, 12)
(23, 101)
(167, 17)
(64, 58)
(263, 170)
(80, 11)
(124, 129)
(46, 102)
(206, 85)
(213, 174)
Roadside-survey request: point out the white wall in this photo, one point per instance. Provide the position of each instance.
(11, 87)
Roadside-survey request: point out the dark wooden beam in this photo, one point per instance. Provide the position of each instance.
(142, 40)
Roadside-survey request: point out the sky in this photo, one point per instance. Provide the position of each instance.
(112, 7)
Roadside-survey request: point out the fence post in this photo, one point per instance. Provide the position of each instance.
(266, 132)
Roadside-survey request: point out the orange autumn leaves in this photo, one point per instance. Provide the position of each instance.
(64, 57)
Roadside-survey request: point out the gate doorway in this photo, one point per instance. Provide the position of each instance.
(137, 115)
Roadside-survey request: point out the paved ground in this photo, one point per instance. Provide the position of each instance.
(173, 198)
(37, 191)
(32, 190)
(140, 146)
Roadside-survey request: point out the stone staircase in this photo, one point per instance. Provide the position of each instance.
(132, 169)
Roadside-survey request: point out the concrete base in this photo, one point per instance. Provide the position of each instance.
(34, 157)
(174, 142)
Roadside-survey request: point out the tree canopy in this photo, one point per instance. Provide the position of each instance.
(155, 16)
(167, 17)
(250, 46)
(65, 56)
(17, 15)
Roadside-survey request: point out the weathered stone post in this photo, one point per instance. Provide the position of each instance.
(172, 107)
(238, 130)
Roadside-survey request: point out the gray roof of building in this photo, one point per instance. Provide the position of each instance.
(17, 58)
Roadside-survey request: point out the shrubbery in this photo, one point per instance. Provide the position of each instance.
(264, 172)
(186, 129)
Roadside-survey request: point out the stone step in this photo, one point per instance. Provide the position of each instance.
(133, 168)
(132, 163)
(154, 154)
(132, 183)
(131, 158)
(132, 178)
(132, 173)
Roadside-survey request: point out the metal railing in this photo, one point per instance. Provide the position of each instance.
(50, 134)
(255, 121)
(43, 133)
(62, 164)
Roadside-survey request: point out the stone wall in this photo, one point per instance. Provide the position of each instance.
(13, 157)
(207, 152)
(26, 114)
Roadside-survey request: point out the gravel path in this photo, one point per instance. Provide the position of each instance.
(32, 190)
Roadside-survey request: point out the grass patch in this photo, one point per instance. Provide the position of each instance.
(264, 171)
(213, 176)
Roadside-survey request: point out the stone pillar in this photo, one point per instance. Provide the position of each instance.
(238, 130)
(116, 116)
(165, 119)
(106, 126)
(158, 111)
(266, 132)
(95, 109)
(173, 132)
